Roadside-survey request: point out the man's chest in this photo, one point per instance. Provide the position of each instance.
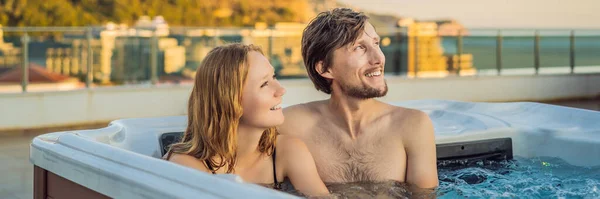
(369, 159)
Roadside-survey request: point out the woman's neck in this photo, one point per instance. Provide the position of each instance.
(247, 145)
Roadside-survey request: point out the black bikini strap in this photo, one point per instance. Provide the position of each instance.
(274, 168)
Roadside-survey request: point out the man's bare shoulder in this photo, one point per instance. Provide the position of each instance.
(412, 121)
(418, 138)
(290, 146)
(303, 109)
(298, 117)
(418, 131)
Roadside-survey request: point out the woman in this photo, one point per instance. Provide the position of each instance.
(232, 113)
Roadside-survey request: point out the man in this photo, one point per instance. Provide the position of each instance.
(352, 136)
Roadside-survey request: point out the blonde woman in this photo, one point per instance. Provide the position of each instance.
(232, 113)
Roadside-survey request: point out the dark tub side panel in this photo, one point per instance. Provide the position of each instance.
(49, 185)
(39, 183)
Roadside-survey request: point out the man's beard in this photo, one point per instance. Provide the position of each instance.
(363, 91)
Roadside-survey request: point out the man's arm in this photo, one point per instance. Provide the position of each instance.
(421, 165)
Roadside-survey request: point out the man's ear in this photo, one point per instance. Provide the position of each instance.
(324, 73)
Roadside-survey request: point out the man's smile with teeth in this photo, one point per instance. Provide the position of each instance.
(375, 73)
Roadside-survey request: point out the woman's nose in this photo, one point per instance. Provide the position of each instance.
(280, 90)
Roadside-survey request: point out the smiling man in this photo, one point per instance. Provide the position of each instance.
(352, 136)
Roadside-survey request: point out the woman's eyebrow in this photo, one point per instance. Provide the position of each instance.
(268, 74)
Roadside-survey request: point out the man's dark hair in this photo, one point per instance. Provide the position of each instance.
(329, 31)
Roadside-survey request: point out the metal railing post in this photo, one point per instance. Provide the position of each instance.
(459, 51)
(397, 52)
(536, 51)
(416, 72)
(572, 51)
(499, 52)
(153, 58)
(217, 35)
(25, 62)
(89, 73)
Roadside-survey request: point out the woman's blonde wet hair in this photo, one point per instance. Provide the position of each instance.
(215, 109)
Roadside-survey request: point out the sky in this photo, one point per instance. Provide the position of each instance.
(494, 13)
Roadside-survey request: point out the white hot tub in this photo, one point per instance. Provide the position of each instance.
(123, 159)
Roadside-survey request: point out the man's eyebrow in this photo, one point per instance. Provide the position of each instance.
(358, 41)
(376, 37)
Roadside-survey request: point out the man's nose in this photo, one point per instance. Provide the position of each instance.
(377, 57)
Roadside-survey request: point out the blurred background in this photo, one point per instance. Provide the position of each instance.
(76, 64)
(68, 44)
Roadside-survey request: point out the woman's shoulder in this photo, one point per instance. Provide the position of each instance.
(188, 161)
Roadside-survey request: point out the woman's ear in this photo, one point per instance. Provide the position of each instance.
(324, 73)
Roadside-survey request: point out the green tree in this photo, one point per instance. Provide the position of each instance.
(176, 12)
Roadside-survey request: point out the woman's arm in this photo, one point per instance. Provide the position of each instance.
(299, 166)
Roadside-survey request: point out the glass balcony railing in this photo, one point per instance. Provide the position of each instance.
(65, 58)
